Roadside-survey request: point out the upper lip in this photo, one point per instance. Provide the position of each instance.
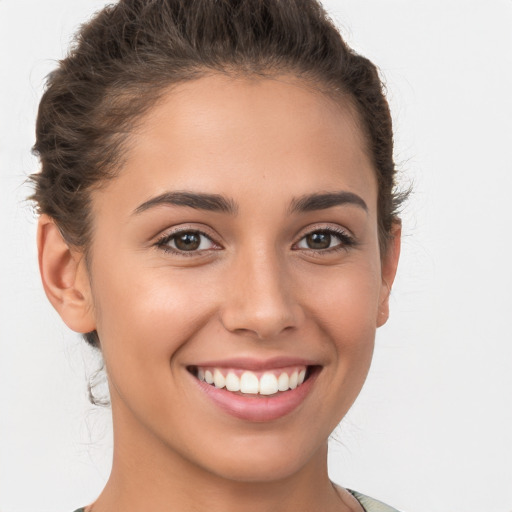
(253, 364)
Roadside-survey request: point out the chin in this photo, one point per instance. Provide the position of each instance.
(255, 470)
(265, 457)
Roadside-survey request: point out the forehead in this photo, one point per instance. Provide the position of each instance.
(224, 135)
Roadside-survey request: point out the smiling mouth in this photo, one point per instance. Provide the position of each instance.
(246, 382)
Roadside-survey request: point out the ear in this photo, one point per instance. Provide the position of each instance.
(389, 263)
(64, 277)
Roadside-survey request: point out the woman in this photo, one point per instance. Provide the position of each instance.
(218, 217)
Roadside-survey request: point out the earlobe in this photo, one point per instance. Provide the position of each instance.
(64, 277)
(388, 271)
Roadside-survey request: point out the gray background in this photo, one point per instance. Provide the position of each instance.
(432, 429)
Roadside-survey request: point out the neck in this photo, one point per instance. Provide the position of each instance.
(147, 475)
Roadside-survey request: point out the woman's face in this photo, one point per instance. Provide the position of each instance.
(239, 242)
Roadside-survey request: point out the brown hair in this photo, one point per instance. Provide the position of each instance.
(130, 53)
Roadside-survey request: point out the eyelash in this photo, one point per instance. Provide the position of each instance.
(162, 242)
(346, 241)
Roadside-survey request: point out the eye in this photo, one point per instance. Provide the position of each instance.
(186, 241)
(325, 239)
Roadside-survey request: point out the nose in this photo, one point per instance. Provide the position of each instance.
(260, 299)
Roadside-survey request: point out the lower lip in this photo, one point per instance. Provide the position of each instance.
(258, 408)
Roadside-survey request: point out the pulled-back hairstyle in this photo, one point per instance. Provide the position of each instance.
(124, 59)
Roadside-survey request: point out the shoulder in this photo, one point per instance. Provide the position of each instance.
(370, 504)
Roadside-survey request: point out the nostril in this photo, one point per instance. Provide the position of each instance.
(264, 317)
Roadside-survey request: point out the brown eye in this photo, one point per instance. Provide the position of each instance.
(318, 240)
(324, 239)
(186, 241)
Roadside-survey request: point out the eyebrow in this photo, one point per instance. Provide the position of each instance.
(322, 201)
(218, 203)
(199, 201)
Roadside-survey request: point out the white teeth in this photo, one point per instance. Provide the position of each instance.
(218, 379)
(268, 384)
(249, 383)
(232, 382)
(294, 378)
(283, 383)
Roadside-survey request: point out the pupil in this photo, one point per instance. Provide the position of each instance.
(188, 241)
(319, 240)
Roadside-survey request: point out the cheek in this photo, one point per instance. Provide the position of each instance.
(344, 300)
(146, 316)
(344, 308)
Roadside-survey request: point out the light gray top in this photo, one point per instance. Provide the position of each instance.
(370, 504)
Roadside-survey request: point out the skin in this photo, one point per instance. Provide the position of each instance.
(255, 290)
